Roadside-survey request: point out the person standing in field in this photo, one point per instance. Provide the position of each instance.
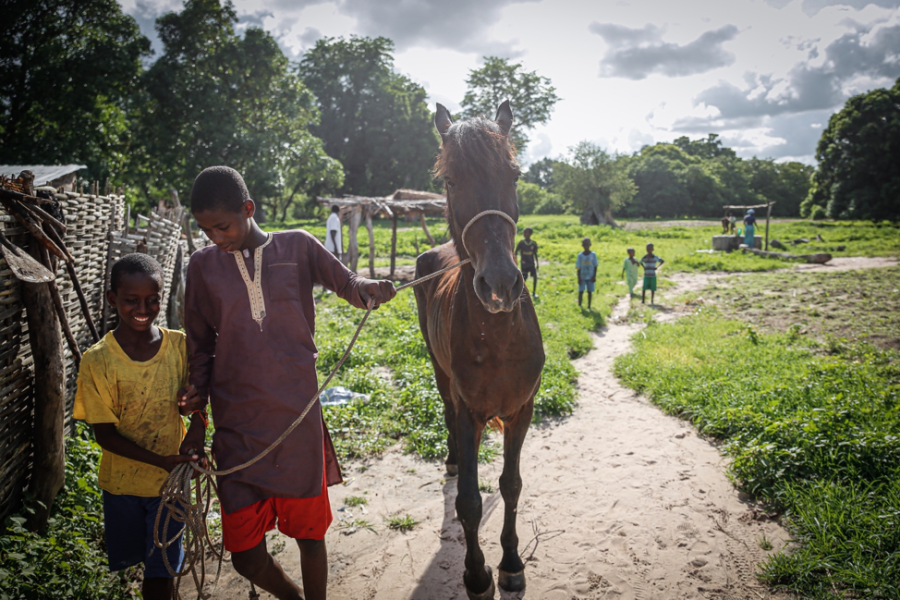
(586, 267)
(630, 271)
(750, 228)
(128, 389)
(250, 322)
(333, 241)
(528, 251)
(651, 264)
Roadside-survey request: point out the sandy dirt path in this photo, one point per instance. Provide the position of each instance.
(619, 501)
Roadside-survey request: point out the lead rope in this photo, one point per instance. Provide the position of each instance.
(175, 493)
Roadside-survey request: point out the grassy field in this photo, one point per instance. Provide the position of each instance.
(781, 367)
(850, 305)
(390, 364)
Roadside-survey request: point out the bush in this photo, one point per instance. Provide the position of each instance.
(551, 205)
(817, 213)
(70, 561)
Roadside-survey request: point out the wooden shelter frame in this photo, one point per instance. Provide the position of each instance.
(768, 206)
(402, 202)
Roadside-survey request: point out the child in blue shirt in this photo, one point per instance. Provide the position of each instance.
(586, 267)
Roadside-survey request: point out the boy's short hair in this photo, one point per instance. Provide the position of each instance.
(218, 188)
(335, 208)
(527, 230)
(629, 250)
(649, 244)
(132, 264)
(587, 239)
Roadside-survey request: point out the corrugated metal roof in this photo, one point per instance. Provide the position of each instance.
(43, 174)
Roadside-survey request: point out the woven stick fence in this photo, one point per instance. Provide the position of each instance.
(96, 237)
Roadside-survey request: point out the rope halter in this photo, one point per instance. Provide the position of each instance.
(485, 213)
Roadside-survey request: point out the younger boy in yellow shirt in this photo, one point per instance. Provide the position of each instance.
(128, 389)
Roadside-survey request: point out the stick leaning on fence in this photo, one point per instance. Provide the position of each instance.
(190, 508)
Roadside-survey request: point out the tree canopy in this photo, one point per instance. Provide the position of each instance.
(214, 97)
(594, 183)
(859, 153)
(374, 120)
(67, 71)
(531, 96)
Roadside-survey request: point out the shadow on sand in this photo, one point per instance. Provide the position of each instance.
(443, 577)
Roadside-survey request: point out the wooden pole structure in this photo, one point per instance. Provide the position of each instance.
(393, 243)
(48, 471)
(425, 229)
(353, 244)
(768, 216)
(369, 212)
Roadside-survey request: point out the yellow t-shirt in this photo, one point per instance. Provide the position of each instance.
(140, 399)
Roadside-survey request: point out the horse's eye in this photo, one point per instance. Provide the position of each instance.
(449, 183)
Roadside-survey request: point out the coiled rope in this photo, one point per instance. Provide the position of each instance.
(183, 503)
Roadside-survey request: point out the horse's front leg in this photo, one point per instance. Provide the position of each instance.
(512, 572)
(478, 578)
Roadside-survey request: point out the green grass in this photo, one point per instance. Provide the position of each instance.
(390, 363)
(404, 523)
(354, 501)
(813, 428)
(853, 305)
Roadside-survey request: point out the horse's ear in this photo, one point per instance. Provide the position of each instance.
(442, 120)
(504, 117)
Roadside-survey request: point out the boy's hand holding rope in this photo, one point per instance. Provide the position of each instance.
(191, 508)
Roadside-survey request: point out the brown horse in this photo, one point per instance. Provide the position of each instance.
(480, 328)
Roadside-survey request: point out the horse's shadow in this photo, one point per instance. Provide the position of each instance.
(443, 577)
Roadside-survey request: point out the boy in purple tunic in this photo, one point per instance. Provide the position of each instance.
(250, 324)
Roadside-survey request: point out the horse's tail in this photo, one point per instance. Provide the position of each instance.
(496, 424)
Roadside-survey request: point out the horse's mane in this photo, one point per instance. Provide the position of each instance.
(475, 148)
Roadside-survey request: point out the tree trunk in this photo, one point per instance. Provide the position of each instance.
(371, 243)
(353, 244)
(819, 258)
(48, 471)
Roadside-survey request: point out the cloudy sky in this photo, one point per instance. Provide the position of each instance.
(764, 74)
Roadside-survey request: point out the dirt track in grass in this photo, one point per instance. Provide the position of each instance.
(619, 501)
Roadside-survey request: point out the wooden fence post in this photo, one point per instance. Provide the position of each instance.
(48, 470)
(393, 243)
(425, 229)
(369, 211)
(353, 244)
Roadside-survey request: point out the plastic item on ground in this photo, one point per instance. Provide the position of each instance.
(339, 396)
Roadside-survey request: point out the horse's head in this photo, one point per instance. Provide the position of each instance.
(479, 169)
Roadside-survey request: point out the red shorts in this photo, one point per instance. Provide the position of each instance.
(299, 518)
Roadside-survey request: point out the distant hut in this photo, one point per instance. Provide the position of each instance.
(61, 177)
(410, 203)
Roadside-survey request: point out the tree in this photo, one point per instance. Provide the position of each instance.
(216, 98)
(786, 184)
(858, 154)
(594, 183)
(531, 96)
(375, 121)
(67, 70)
(541, 173)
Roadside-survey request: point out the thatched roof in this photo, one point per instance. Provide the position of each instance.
(400, 202)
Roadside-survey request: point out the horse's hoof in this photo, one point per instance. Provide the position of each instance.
(487, 594)
(452, 470)
(511, 582)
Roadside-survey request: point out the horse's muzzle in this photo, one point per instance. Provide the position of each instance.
(499, 292)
